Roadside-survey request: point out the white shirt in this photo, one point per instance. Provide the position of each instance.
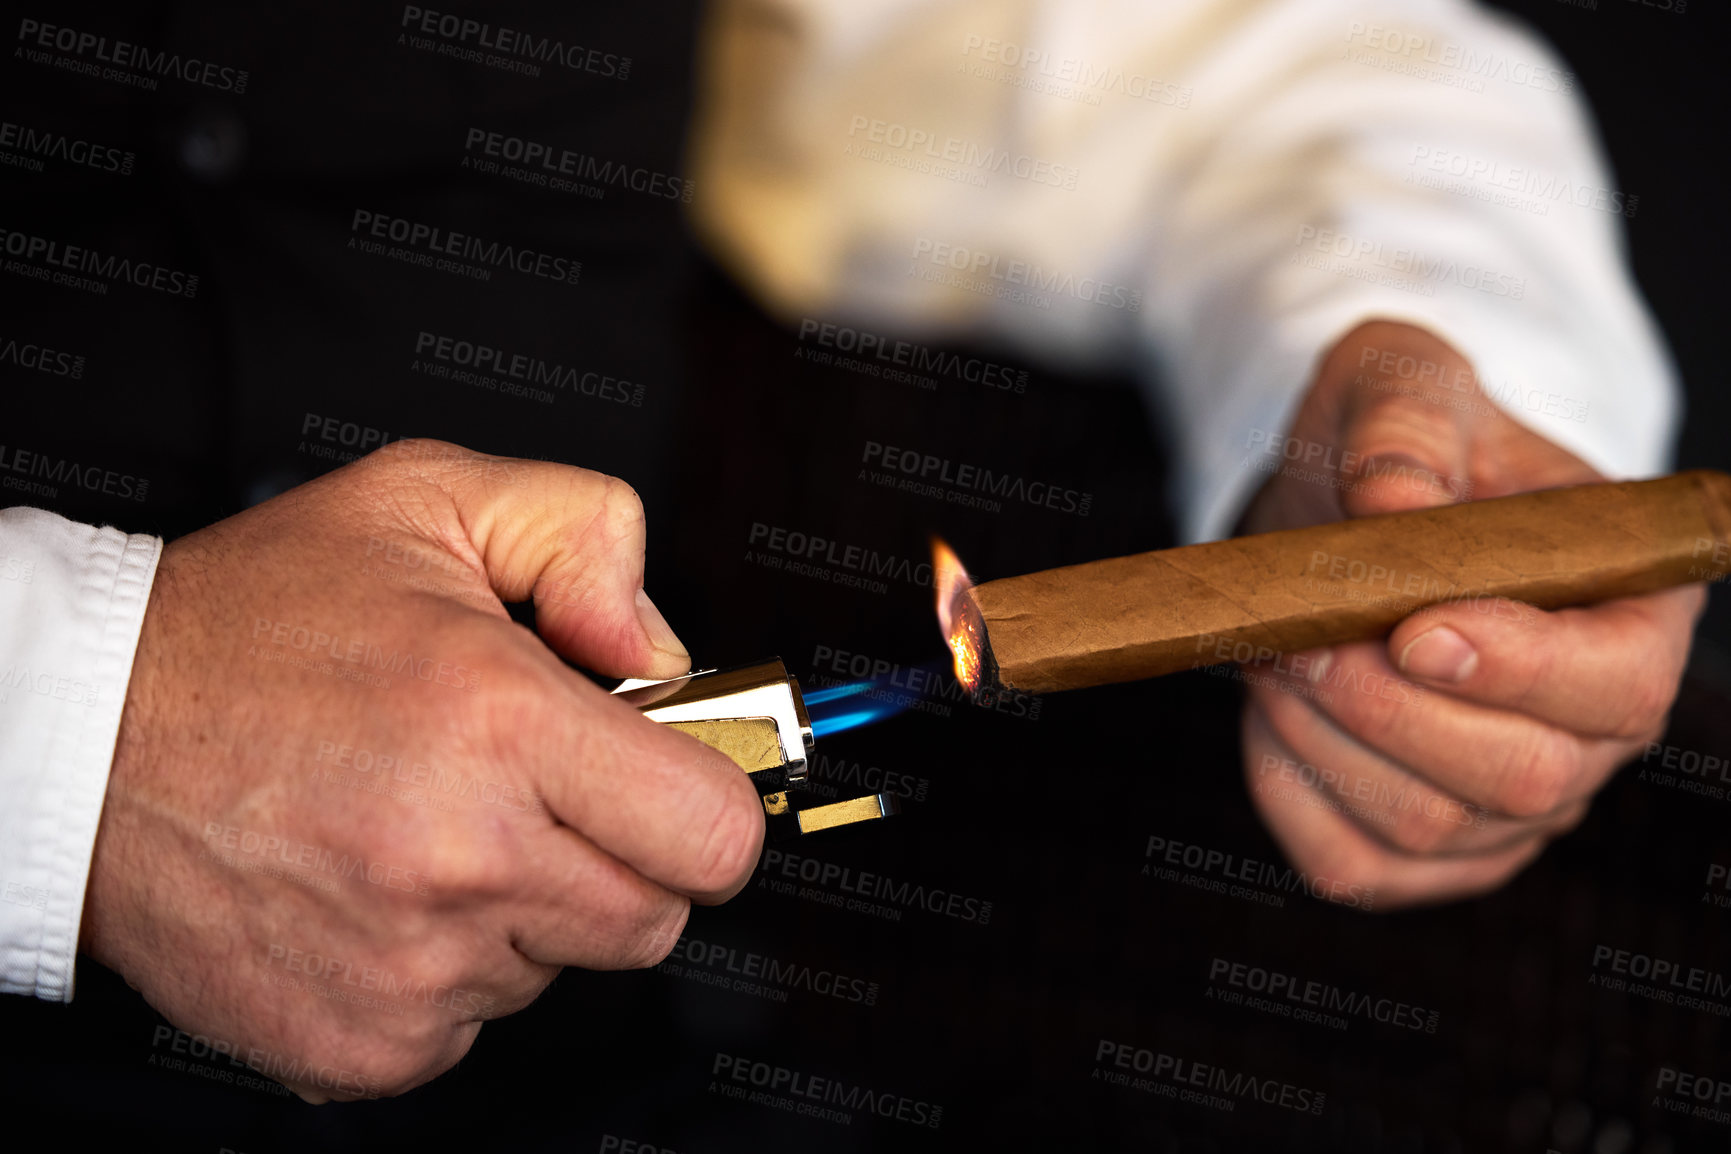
(1213, 191)
(72, 601)
(1198, 157)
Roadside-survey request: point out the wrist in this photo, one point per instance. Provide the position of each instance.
(113, 863)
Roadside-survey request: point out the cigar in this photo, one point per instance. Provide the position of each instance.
(1252, 598)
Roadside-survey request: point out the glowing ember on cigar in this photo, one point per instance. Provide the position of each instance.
(957, 618)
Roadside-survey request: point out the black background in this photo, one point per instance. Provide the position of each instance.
(1047, 819)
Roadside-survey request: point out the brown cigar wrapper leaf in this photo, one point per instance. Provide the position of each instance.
(1127, 618)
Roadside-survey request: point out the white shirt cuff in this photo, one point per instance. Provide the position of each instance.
(72, 601)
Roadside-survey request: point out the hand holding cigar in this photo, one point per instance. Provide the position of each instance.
(1436, 686)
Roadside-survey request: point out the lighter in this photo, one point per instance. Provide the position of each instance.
(755, 715)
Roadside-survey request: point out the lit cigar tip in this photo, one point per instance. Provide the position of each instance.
(957, 619)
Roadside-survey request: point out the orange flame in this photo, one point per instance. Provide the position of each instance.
(957, 621)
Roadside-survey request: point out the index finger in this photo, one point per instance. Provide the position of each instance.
(668, 806)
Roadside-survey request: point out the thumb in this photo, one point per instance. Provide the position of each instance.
(573, 539)
(1405, 446)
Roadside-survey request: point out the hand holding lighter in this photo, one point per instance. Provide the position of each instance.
(756, 716)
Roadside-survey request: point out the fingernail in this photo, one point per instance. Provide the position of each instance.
(661, 634)
(1439, 654)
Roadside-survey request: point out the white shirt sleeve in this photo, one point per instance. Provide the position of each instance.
(1212, 191)
(72, 600)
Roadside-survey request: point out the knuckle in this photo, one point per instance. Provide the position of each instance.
(506, 725)
(479, 865)
(1536, 775)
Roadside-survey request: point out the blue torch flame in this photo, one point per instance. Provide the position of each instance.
(854, 704)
